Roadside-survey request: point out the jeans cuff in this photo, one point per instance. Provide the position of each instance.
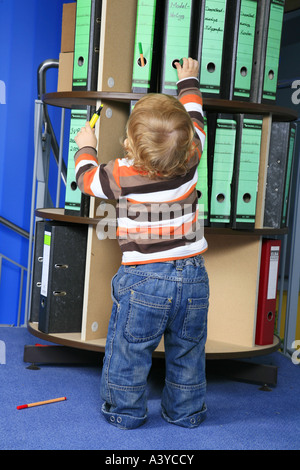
(121, 420)
(191, 421)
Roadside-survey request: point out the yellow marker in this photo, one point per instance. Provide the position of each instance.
(95, 116)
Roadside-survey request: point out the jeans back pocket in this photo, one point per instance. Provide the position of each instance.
(147, 317)
(195, 319)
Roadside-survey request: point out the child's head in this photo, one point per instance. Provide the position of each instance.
(159, 136)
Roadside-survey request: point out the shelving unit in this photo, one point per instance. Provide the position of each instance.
(234, 286)
(233, 257)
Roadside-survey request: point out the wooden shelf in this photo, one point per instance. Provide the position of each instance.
(59, 215)
(214, 349)
(77, 99)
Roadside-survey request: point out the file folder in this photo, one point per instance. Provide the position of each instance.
(230, 44)
(177, 38)
(76, 203)
(222, 142)
(211, 43)
(270, 61)
(276, 173)
(288, 173)
(37, 270)
(260, 44)
(63, 273)
(202, 184)
(268, 281)
(86, 45)
(147, 47)
(249, 132)
(243, 57)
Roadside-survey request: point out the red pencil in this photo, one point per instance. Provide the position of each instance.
(30, 405)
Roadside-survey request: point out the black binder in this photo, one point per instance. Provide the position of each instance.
(209, 36)
(177, 40)
(266, 50)
(76, 203)
(246, 170)
(271, 52)
(288, 173)
(63, 274)
(222, 137)
(87, 44)
(275, 183)
(230, 47)
(37, 270)
(148, 41)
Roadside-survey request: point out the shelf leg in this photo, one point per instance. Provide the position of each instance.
(250, 372)
(40, 354)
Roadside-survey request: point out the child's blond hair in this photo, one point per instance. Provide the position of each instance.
(159, 136)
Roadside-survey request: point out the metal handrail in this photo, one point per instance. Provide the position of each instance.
(41, 85)
(14, 227)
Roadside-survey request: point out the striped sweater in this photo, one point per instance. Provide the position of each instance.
(157, 219)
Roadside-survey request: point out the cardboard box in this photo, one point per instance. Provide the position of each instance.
(68, 27)
(65, 71)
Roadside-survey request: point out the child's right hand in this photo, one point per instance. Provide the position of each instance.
(189, 68)
(86, 137)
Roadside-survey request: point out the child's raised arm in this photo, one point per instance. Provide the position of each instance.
(189, 68)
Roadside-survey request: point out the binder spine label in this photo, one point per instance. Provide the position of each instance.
(273, 49)
(144, 43)
(178, 23)
(248, 171)
(46, 261)
(212, 48)
(273, 272)
(73, 193)
(245, 49)
(82, 43)
(222, 171)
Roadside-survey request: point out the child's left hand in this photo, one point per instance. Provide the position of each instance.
(86, 137)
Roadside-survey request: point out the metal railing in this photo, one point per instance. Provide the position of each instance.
(44, 140)
(23, 269)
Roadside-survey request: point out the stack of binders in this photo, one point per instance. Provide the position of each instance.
(85, 75)
(236, 42)
(234, 146)
(62, 277)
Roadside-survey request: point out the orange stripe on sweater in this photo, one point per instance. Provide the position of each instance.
(191, 98)
(200, 128)
(86, 156)
(88, 178)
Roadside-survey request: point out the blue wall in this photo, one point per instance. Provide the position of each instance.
(30, 32)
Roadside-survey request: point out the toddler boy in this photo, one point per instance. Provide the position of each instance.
(161, 288)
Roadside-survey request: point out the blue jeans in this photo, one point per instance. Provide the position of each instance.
(151, 300)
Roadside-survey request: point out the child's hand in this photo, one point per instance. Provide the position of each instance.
(189, 68)
(86, 137)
